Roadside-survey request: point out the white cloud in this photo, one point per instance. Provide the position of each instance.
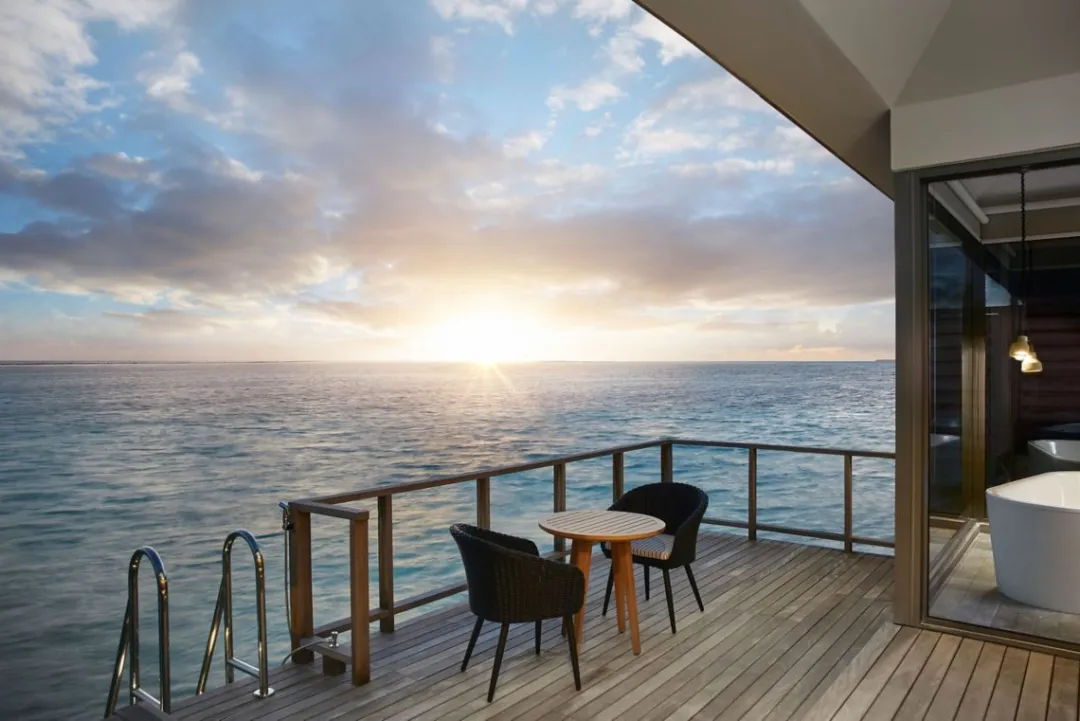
(623, 53)
(794, 140)
(672, 45)
(695, 116)
(494, 196)
(736, 166)
(603, 10)
(120, 166)
(588, 96)
(715, 93)
(668, 141)
(592, 131)
(524, 145)
(172, 84)
(499, 12)
(557, 174)
(44, 51)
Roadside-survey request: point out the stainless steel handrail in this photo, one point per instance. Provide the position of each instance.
(129, 637)
(224, 609)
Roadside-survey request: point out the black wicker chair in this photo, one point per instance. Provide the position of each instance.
(681, 507)
(510, 583)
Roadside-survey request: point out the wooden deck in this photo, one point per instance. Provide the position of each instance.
(789, 632)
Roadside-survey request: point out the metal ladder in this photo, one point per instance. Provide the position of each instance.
(129, 637)
(223, 609)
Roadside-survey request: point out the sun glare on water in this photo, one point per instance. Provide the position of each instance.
(487, 339)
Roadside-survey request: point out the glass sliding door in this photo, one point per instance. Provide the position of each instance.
(1001, 500)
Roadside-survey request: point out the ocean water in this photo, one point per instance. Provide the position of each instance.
(96, 460)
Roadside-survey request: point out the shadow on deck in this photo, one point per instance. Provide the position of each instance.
(781, 623)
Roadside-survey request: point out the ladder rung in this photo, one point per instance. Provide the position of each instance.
(245, 667)
(145, 696)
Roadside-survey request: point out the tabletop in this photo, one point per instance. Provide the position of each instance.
(602, 525)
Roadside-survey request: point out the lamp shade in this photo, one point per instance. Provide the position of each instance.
(1020, 348)
(1031, 363)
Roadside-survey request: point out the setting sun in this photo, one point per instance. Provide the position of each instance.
(487, 338)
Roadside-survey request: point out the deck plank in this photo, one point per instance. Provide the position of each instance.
(1009, 683)
(981, 684)
(895, 690)
(922, 691)
(1064, 685)
(947, 698)
(1035, 693)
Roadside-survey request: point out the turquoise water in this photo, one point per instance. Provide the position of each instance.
(97, 460)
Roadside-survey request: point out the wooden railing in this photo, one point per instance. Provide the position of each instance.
(306, 636)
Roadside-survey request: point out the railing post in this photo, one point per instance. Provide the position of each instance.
(386, 564)
(847, 502)
(483, 502)
(300, 596)
(667, 470)
(617, 479)
(559, 505)
(358, 598)
(751, 500)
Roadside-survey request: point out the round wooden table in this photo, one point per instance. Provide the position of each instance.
(618, 529)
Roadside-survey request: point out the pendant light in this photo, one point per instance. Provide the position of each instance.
(1031, 364)
(1021, 349)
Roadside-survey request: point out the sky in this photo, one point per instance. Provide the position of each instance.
(478, 180)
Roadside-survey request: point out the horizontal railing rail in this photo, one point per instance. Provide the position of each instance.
(304, 632)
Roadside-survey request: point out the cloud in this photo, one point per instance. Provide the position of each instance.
(120, 166)
(555, 173)
(595, 129)
(67, 192)
(729, 167)
(672, 45)
(499, 12)
(623, 54)
(45, 50)
(588, 96)
(521, 146)
(171, 84)
(374, 317)
(169, 321)
(603, 10)
(205, 232)
(701, 114)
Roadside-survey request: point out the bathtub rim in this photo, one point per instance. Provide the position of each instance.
(994, 492)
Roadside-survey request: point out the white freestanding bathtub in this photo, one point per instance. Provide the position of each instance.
(1035, 534)
(1054, 455)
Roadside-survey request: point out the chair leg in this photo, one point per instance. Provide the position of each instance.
(538, 638)
(573, 652)
(472, 642)
(670, 601)
(693, 587)
(646, 582)
(498, 660)
(607, 594)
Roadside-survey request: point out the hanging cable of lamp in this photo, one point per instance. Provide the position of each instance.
(1022, 349)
